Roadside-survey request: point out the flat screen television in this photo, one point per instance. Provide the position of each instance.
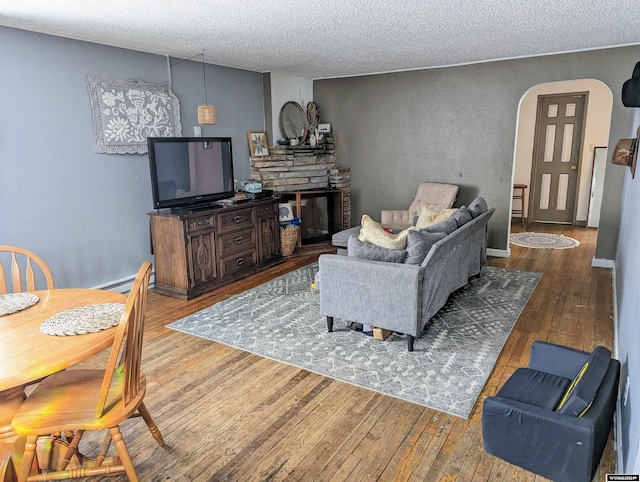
(190, 172)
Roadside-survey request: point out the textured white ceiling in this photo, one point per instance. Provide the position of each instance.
(333, 38)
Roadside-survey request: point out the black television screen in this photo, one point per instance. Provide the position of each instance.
(190, 171)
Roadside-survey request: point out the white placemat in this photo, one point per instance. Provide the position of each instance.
(14, 302)
(84, 319)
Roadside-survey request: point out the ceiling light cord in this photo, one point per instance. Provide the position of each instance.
(169, 70)
(204, 78)
(207, 114)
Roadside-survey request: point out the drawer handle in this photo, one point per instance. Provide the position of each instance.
(238, 219)
(238, 240)
(239, 261)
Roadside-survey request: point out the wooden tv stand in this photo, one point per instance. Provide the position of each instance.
(198, 251)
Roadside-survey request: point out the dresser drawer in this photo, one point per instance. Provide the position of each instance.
(266, 209)
(201, 222)
(237, 262)
(235, 220)
(237, 241)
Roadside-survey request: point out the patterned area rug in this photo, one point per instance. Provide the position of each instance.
(452, 360)
(543, 240)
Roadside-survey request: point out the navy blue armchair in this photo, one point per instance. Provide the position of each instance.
(554, 417)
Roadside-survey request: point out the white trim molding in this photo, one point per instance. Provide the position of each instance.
(499, 253)
(602, 263)
(617, 425)
(122, 285)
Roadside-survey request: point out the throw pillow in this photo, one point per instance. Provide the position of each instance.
(418, 245)
(448, 226)
(445, 214)
(477, 207)
(360, 249)
(372, 232)
(428, 217)
(462, 216)
(584, 387)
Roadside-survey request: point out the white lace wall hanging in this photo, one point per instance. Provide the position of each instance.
(126, 112)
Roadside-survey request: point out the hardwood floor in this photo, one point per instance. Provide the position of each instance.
(230, 415)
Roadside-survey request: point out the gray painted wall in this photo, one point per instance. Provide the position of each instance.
(85, 213)
(457, 125)
(627, 284)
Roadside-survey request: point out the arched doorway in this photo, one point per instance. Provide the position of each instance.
(596, 136)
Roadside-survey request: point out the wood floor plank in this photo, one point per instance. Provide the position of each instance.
(277, 458)
(438, 432)
(349, 417)
(473, 458)
(394, 427)
(230, 415)
(378, 407)
(414, 444)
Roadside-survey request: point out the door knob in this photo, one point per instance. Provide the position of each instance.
(573, 168)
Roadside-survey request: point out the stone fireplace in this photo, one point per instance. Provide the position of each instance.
(306, 169)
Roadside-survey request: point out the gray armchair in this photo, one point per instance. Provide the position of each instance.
(554, 417)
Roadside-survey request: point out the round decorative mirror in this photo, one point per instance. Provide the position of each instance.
(293, 121)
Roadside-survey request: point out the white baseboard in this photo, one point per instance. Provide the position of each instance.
(617, 425)
(499, 253)
(122, 285)
(602, 263)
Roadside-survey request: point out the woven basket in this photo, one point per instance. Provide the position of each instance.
(288, 239)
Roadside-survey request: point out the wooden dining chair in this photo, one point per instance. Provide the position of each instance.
(29, 273)
(75, 401)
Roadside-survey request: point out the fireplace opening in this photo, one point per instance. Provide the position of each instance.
(320, 213)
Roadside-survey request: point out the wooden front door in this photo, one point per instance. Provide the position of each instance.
(557, 152)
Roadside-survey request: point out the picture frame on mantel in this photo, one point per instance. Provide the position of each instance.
(324, 128)
(258, 144)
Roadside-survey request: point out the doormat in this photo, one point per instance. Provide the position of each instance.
(447, 370)
(543, 240)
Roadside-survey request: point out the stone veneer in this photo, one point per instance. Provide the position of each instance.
(298, 168)
(340, 178)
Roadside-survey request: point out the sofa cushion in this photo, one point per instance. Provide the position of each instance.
(477, 207)
(360, 249)
(447, 226)
(462, 216)
(533, 387)
(418, 245)
(425, 217)
(373, 232)
(583, 388)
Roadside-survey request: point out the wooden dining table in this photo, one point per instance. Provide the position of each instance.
(27, 355)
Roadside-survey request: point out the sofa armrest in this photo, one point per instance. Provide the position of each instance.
(396, 217)
(386, 295)
(556, 359)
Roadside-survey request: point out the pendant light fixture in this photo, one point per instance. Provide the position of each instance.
(207, 113)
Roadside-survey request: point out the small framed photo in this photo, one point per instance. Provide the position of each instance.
(258, 144)
(324, 128)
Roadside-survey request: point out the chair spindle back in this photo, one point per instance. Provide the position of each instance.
(122, 375)
(16, 276)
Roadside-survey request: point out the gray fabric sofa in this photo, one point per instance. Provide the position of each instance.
(402, 297)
